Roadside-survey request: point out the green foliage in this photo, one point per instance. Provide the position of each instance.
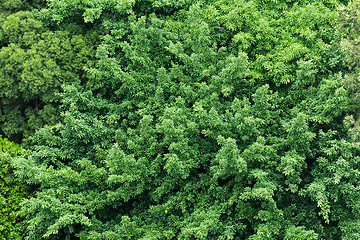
(8, 7)
(11, 192)
(350, 28)
(34, 63)
(200, 120)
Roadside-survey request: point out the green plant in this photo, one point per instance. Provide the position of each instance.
(11, 192)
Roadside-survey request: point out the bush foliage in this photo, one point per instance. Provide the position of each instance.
(183, 119)
(11, 192)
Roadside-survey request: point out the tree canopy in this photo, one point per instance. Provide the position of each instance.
(182, 119)
(35, 62)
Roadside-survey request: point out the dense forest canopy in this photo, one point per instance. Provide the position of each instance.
(160, 119)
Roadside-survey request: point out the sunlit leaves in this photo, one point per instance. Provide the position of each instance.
(11, 192)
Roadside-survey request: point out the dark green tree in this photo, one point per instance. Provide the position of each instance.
(8, 7)
(34, 63)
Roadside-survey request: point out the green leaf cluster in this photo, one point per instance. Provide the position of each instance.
(350, 29)
(11, 192)
(34, 63)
